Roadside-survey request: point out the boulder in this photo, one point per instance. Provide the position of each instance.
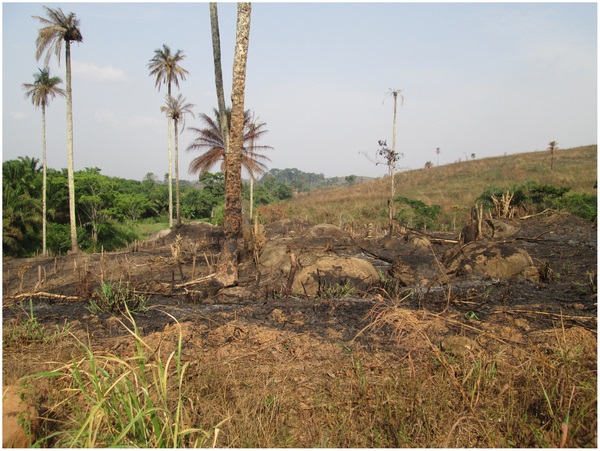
(19, 419)
(496, 260)
(501, 230)
(331, 270)
(418, 268)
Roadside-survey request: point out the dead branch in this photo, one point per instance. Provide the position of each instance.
(41, 294)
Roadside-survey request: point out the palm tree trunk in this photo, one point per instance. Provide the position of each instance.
(44, 172)
(251, 196)
(227, 268)
(216, 40)
(170, 152)
(177, 215)
(393, 168)
(70, 164)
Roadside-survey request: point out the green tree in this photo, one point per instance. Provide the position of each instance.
(43, 88)
(95, 201)
(59, 27)
(21, 212)
(166, 68)
(176, 109)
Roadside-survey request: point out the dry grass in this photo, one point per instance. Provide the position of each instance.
(251, 386)
(453, 186)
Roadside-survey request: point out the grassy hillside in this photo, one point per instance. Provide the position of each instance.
(454, 187)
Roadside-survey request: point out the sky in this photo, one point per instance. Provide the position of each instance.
(487, 79)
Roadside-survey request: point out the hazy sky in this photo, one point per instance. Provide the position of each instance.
(477, 78)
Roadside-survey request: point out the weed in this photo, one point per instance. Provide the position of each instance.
(137, 401)
(117, 297)
(329, 290)
(21, 332)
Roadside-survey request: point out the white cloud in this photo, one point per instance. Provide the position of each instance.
(92, 72)
(17, 115)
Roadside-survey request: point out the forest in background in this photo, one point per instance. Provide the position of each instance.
(113, 212)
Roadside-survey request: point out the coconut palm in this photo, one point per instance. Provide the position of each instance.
(43, 88)
(165, 67)
(176, 109)
(210, 140)
(59, 27)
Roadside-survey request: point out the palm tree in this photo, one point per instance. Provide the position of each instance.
(176, 109)
(552, 146)
(216, 42)
(210, 140)
(40, 91)
(59, 27)
(165, 66)
(227, 268)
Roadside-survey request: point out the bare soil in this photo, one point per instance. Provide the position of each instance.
(300, 347)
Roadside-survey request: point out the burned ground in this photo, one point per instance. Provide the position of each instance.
(319, 358)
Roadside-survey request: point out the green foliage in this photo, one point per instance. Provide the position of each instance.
(139, 402)
(269, 191)
(116, 297)
(537, 197)
(418, 214)
(21, 206)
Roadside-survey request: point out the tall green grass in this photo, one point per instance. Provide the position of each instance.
(116, 401)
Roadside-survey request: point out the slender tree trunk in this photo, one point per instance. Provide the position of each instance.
(170, 177)
(44, 174)
(70, 163)
(251, 196)
(227, 268)
(177, 215)
(216, 41)
(393, 169)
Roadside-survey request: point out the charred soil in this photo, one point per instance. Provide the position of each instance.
(473, 361)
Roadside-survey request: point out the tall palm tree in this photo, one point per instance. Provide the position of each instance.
(165, 66)
(43, 88)
(176, 109)
(210, 140)
(59, 27)
(227, 266)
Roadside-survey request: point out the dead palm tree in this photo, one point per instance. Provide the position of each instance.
(165, 67)
(43, 88)
(59, 27)
(176, 109)
(210, 140)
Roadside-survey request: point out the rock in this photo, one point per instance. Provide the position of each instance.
(329, 271)
(501, 230)
(325, 235)
(19, 419)
(458, 345)
(495, 260)
(418, 268)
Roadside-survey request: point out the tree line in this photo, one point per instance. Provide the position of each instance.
(107, 208)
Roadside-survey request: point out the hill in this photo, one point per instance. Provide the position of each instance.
(454, 187)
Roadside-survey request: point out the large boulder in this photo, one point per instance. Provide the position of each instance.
(19, 419)
(327, 272)
(495, 260)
